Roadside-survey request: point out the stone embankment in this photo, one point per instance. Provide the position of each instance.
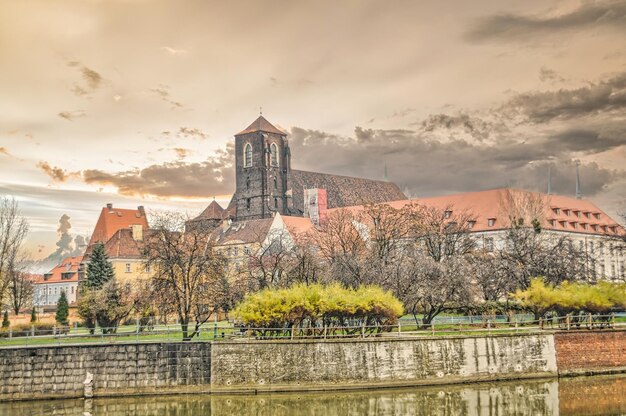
(255, 366)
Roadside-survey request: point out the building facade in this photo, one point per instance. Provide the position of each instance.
(62, 278)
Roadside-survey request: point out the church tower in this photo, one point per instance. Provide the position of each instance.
(263, 167)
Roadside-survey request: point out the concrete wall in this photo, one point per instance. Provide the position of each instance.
(40, 372)
(284, 366)
(582, 351)
(244, 366)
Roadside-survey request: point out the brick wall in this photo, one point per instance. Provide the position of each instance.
(586, 350)
(40, 372)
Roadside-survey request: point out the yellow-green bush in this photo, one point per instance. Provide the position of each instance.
(318, 306)
(602, 297)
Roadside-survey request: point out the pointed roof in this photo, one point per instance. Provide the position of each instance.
(261, 124)
(213, 212)
(112, 219)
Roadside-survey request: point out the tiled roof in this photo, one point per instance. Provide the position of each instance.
(123, 245)
(242, 232)
(213, 212)
(65, 272)
(113, 219)
(261, 124)
(343, 191)
(297, 225)
(560, 212)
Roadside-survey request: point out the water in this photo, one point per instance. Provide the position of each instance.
(604, 395)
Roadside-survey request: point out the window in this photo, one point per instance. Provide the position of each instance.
(552, 223)
(567, 211)
(491, 222)
(557, 211)
(247, 155)
(235, 252)
(127, 267)
(276, 203)
(275, 182)
(246, 251)
(248, 183)
(470, 224)
(597, 216)
(489, 244)
(248, 203)
(447, 214)
(274, 154)
(586, 214)
(577, 213)
(72, 289)
(148, 268)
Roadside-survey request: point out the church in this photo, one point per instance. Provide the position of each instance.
(266, 184)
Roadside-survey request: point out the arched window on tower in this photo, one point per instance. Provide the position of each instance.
(274, 154)
(248, 183)
(247, 155)
(275, 182)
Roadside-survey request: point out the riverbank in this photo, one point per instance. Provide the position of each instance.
(241, 367)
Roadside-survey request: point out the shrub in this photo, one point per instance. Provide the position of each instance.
(5, 320)
(311, 308)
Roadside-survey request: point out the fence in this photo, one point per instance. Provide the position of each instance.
(447, 326)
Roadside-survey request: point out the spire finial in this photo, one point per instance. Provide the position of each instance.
(260, 111)
(549, 181)
(578, 190)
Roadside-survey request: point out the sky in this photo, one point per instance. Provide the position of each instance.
(136, 102)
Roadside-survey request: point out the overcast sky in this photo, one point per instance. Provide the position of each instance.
(136, 102)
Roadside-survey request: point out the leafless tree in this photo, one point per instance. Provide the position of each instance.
(13, 230)
(21, 289)
(185, 264)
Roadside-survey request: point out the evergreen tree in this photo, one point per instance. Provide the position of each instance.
(5, 320)
(100, 270)
(33, 315)
(63, 309)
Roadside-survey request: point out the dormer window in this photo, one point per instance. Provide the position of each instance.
(552, 223)
(447, 214)
(567, 212)
(274, 154)
(557, 211)
(597, 215)
(563, 224)
(586, 214)
(491, 222)
(577, 213)
(574, 224)
(470, 224)
(595, 227)
(247, 155)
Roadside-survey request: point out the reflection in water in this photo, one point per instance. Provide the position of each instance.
(579, 396)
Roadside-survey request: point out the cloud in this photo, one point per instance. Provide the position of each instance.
(174, 51)
(427, 166)
(509, 27)
(56, 173)
(181, 152)
(71, 115)
(549, 75)
(173, 179)
(474, 126)
(92, 79)
(162, 91)
(543, 106)
(4, 151)
(187, 132)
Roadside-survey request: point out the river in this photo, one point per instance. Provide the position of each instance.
(598, 395)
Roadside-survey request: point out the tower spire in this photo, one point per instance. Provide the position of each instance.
(578, 190)
(549, 181)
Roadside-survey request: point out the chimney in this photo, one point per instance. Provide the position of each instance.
(141, 210)
(226, 225)
(137, 231)
(110, 207)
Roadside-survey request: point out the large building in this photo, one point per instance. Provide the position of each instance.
(266, 184)
(62, 278)
(122, 233)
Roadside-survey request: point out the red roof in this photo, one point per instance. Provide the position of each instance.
(560, 213)
(213, 212)
(113, 219)
(65, 272)
(261, 124)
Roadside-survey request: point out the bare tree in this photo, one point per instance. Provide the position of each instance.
(21, 289)
(186, 265)
(13, 230)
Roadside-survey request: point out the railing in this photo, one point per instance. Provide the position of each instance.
(405, 327)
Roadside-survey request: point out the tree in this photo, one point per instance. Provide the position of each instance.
(113, 303)
(5, 320)
(33, 315)
(187, 267)
(21, 289)
(13, 230)
(63, 310)
(99, 270)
